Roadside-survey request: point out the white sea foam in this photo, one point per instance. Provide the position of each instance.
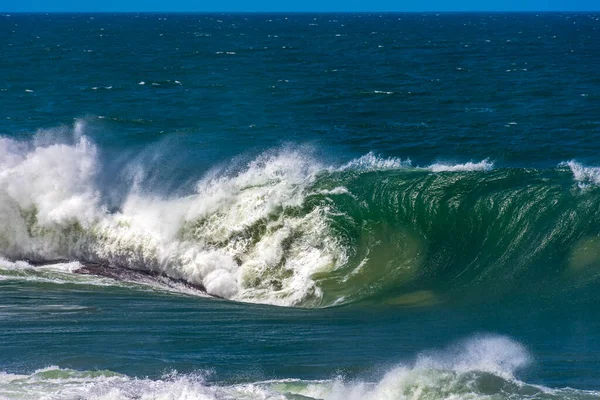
(585, 176)
(373, 162)
(335, 191)
(484, 165)
(461, 372)
(231, 236)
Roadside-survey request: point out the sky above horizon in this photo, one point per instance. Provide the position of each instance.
(295, 5)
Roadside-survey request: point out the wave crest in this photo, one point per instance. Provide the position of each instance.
(373, 162)
(484, 165)
(585, 176)
(478, 368)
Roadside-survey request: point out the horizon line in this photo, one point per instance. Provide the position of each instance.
(296, 11)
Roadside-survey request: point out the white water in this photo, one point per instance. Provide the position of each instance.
(231, 235)
(585, 176)
(241, 235)
(478, 368)
(372, 162)
(484, 165)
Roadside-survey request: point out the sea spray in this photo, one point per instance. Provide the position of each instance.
(241, 237)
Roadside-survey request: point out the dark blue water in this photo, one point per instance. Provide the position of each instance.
(271, 206)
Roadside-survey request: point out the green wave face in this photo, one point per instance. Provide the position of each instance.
(419, 238)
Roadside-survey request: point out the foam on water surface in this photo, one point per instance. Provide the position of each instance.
(584, 176)
(484, 165)
(482, 367)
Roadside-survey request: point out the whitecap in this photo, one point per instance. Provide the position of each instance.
(453, 373)
(585, 176)
(373, 162)
(484, 165)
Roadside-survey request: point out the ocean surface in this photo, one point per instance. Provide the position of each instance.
(300, 206)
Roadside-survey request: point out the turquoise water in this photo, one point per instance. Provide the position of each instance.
(323, 206)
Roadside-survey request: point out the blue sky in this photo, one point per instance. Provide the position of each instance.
(298, 5)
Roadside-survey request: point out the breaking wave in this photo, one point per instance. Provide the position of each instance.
(287, 229)
(482, 367)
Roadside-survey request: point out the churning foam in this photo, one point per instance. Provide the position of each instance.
(478, 368)
(245, 235)
(372, 162)
(235, 235)
(484, 165)
(585, 176)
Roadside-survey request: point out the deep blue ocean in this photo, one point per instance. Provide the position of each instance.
(300, 206)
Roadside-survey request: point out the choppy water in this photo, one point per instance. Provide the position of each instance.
(421, 194)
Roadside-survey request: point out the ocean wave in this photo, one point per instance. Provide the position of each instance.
(372, 162)
(482, 367)
(585, 176)
(286, 229)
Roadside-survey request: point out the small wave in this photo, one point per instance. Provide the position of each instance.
(585, 176)
(480, 109)
(484, 165)
(478, 368)
(373, 162)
